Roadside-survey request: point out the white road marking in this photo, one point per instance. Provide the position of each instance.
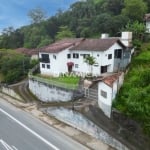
(28, 129)
(5, 145)
(14, 147)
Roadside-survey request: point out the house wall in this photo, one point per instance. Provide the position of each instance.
(148, 26)
(101, 60)
(49, 93)
(105, 103)
(121, 64)
(62, 61)
(45, 70)
(34, 57)
(59, 65)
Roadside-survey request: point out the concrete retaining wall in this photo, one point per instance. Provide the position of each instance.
(10, 92)
(49, 93)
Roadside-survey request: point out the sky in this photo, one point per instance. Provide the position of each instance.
(14, 13)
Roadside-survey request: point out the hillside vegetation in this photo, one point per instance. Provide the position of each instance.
(88, 18)
(134, 96)
(13, 66)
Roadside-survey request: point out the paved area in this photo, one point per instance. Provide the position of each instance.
(119, 128)
(81, 137)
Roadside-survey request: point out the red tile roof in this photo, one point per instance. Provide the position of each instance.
(111, 79)
(97, 44)
(61, 45)
(28, 52)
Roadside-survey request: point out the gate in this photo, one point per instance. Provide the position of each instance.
(91, 93)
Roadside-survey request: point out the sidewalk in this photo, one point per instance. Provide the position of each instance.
(83, 138)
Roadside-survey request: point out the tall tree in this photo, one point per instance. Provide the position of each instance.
(37, 15)
(115, 6)
(138, 29)
(135, 9)
(64, 32)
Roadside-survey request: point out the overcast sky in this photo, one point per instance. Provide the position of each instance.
(15, 12)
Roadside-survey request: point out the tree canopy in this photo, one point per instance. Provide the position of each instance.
(37, 15)
(86, 19)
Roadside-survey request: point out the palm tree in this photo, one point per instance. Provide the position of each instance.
(90, 60)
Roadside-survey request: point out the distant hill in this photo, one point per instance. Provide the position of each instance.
(84, 18)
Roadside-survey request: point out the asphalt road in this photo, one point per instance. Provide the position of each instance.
(21, 131)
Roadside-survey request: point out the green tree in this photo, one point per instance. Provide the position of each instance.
(115, 6)
(90, 60)
(138, 29)
(37, 15)
(135, 9)
(11, 38)
(64, 32)
(13, 66)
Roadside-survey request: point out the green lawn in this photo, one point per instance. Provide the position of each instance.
(70, 82)
(67, 80)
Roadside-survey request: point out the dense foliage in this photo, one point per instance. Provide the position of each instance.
(13, 66)
(87, 18)
(134, 97)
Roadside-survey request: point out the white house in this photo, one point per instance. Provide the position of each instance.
(107, 90)
(69, 55)
(147, 22)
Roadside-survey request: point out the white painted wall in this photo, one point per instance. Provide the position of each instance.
(148, 26)
(47, 93)
(101, 59)
(106, 103)
(126, 38)
(35, 56)
(59, 65)
(62, 61)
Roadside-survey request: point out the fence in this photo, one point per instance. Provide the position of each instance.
(91, 93)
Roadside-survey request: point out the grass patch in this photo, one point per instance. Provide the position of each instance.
(69, 82)
(134, 97)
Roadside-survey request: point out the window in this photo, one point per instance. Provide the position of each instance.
(103, 94)
(109, 56)
(54, 56)
(76, 66)
(43, 65)
(103, 69)
(45, 58)
(96, 65)
(118, 53)
(68, 56)
(75, 55)
(48, 66)
(85, 55)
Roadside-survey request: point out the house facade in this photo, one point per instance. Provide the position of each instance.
(147, 22)
(68, 55)
(107, 90)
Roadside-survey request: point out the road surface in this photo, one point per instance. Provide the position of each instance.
(21, 131)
